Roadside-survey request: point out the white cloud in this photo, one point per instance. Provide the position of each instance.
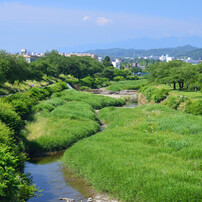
(85, 18)
(102, 21)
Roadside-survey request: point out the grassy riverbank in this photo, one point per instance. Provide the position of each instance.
(190, 102)
(127, 85)
(64, 119)
(150, 153)
(7, 88)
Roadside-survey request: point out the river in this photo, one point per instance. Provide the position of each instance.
(49, 176)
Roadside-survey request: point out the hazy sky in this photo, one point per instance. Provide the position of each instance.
(41, 25)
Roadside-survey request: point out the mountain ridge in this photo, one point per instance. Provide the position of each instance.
(179, 51)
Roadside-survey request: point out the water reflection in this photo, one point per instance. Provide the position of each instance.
(47, 174)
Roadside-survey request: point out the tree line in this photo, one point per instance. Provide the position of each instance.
(86, 69)
(177, 73)
(13, 67)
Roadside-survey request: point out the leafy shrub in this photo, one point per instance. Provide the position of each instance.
(174, 102)
(148, 92)
(119, 78)
(194, 107)
(57, 87)
(21, 108)
(135, 77)
(160, 94)
(10, 117)
(12, 181)
(21, 97)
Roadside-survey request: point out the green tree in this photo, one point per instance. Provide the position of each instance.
(107, 62)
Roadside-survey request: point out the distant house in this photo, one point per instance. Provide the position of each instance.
(31, 58)
(80, 55)
(116, 63)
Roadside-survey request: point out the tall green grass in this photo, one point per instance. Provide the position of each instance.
(127, 85)
(150, 153)
(96, 101)
(63, 120)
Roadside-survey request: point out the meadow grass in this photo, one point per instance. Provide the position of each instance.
(95, 101)
(149, 153)
(68, 117)
(127, 85)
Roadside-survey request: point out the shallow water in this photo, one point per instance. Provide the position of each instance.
(131, 104)
(47, 173)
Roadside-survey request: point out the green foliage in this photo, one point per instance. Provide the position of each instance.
(134, 77)
(119, 78)
(84, 88)
(54, 65)
(107, 62)
(10, 117)
(174, 102)
(160, 95)
(144, 154)
(65, 119)
(21, 108)
(13, 68)
(148, 91)
(12, 182)
(176, 72)
(153, 93)
(96, 101)
(127, 85)
(194, 107)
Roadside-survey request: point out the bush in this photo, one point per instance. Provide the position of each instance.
(12, 181)
(57, 87)
(135, 77)
(119, 78)
(10, 117)
(148, 92)
(21, 97)
(21, 108)
(194, 107)
(174, 102)
(160, 94)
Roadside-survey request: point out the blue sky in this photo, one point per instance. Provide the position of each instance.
(41, 25)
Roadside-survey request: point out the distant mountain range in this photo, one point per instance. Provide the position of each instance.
(143, 43)
(180, 51)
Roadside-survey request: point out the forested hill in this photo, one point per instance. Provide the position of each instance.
(179, 51)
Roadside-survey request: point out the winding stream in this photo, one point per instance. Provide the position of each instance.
(49, 176)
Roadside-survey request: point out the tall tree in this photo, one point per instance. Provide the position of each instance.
(107, 62)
